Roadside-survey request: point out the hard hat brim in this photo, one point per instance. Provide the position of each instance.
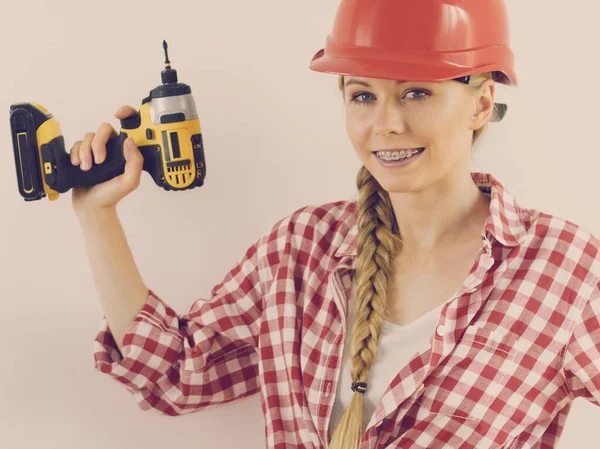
(413, 70)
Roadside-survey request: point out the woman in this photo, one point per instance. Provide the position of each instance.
(474, 321)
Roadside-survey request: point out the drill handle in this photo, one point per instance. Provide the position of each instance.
(64, 175)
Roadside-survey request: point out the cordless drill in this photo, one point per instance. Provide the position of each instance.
(166, 129)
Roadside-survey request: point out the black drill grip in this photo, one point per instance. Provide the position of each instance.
(64, 175)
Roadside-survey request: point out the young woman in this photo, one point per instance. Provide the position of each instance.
(434, 312)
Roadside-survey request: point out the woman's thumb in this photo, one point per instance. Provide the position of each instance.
(133, 163)
(130, 149)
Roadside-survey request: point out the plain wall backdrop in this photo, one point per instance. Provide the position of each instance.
(275, 140)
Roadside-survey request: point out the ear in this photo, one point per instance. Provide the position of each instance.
(484, 104)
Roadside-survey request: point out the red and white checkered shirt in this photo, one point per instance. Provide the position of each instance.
(517, 342)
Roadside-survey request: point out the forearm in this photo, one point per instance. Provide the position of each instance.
(119, 284)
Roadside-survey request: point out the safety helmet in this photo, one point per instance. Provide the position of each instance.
(420, 40)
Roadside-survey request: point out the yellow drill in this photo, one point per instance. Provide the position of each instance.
(166, 129)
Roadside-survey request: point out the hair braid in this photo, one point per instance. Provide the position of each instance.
(378, 241)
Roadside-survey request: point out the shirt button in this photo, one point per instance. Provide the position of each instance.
(420, 387)
(440, 330)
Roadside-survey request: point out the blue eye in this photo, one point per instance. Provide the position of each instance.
(360, 94)
(354, 97)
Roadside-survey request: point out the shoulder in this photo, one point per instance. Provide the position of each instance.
(325, 218)
(336, 216)
(567, 244)
(322, 225)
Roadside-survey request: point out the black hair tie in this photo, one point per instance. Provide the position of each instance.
(361, 387)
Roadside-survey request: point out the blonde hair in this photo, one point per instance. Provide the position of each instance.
(378, 242)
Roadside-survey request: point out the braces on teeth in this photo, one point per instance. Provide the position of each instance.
(394, 156)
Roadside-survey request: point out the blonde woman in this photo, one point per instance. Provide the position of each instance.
(433, 312)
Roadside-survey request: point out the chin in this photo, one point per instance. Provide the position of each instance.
(395, 183)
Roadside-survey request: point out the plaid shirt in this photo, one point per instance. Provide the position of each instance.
(512, 348)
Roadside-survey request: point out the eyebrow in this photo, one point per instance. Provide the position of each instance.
(363, 83)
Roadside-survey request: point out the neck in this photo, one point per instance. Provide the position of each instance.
(449, 212)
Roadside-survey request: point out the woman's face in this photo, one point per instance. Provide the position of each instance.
(384, 114)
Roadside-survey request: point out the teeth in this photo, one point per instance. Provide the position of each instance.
(396, 155)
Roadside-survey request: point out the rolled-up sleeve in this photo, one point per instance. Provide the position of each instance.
(581, 361)
(180, 364)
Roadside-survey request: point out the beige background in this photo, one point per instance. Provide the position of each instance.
(275, 141)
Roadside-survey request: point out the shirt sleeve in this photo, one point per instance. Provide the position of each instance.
(581, 362)
(180, 364)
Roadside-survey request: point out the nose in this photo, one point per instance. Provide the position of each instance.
(388, 118)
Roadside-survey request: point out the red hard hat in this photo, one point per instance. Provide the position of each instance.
(419, 40)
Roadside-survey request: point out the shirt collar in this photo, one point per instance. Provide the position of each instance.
(505, 222)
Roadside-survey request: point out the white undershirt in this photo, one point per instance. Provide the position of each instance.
(396, 347)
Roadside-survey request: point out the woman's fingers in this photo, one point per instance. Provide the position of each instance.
(85, 151)
(93, 146)
(75, 153)
(125, 111)
(105, 132)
